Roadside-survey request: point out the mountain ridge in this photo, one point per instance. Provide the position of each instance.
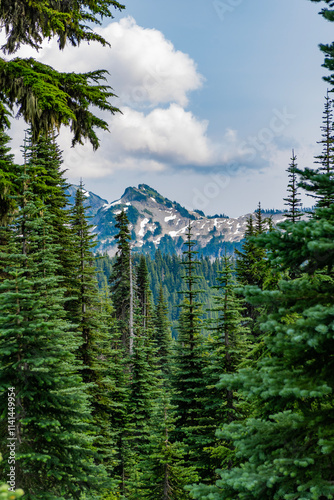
(157, 222)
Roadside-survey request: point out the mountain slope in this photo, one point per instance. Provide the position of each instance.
(157, 222)
(92, 201)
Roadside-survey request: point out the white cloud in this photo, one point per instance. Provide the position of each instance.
(156, 141)
(171, 135)
(145, 68)
(155, 132)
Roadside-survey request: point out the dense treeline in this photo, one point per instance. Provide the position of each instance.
(97, 399)
(167, 270)
(165, 377)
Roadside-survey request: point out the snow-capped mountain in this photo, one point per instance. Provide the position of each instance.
(92, 201)
(157, 222)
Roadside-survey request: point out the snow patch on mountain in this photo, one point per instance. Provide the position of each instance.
(170, 217)
(143, 223)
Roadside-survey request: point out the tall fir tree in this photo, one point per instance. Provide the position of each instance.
(260, 222)
(293, 204)
(328, 49)
(230, 338)
(249, 269)
(91, 317)
(250, 261)
(144, 293)
(144, 389)
(44, 161)
(194, 424)
(8, 179)
(228, 345)
(166, 475)
(8, 190)
(326, 158)
(120, 282)
(54, 453)
(162, 334)
(319, 182)
(286, 448)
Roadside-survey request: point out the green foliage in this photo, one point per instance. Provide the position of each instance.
(28, 23)
(166, 474)
(120, 277)
(286, 447)
(144, 295)
(293, 212)
(47, 99)
(8, 177)
(228, 346)
(6, 494)
(143, 392)
(195, 424)
(328, 49)
(37, 357)
(167, 270)
(229, 339)
(162, 333)
(319, 182)
(91, 318)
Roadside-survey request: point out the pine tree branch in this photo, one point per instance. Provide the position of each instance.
(28, 22)
(47, 99)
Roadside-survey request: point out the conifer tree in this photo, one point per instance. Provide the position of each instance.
(120, 278)
(96, 353)
(328, 13)
(44, 97)
(162, 336)
(319, 182)
(251, 264)
(29, 24)
(54, 456)
(286, 448)
(7, 178)
(293, 212)
(165, 474)
(194, 425)
(250, 260)
(144, 293)
(8, 189)
(260, 223)
(249, 268)
(228, 345)
(229, 338)
(144, 389)
(44, 161)
(326, 158)
(84, 307)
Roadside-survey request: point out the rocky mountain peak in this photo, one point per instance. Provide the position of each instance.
(157, 222)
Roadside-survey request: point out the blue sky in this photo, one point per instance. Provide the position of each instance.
(214, 94)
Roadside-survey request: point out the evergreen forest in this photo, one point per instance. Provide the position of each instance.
(153, 377)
